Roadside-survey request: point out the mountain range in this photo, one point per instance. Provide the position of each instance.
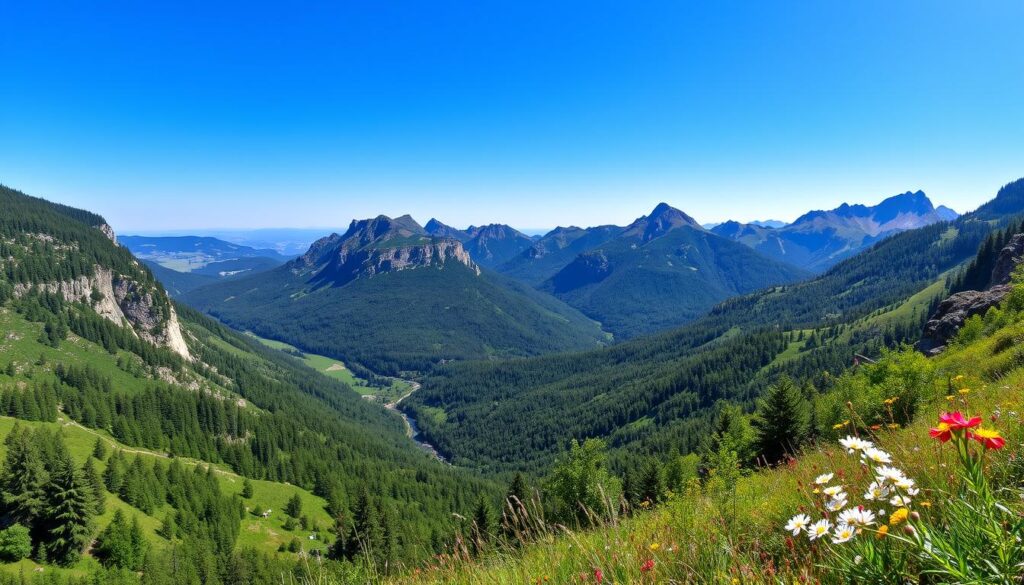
(391, 297)
(818, 240)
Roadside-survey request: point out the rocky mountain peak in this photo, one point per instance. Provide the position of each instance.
(661, 220)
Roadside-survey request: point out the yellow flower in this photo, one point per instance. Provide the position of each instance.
(899, 516)
(950, 398)
(926, 504)
(958, 378)
(882, 531)
(965, 391)
(735, 581)
(654, 546)
(894, 426)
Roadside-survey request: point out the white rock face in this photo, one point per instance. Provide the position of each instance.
(121, 302)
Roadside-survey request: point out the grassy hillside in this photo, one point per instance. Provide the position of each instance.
(728, 527)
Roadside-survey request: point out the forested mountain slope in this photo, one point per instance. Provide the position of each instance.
(661, 271)
(659, 392)
(387, 296)
(225, 400)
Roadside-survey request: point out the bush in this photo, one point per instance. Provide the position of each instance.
(15, 543)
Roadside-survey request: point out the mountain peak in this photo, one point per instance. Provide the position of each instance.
(662, 219)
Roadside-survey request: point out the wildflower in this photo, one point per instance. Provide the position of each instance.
(834, 491)
(843, 534)
(990, 438)
(888, 473)
(798, 523)
(904, 483)
(819, 529)
(654, 547)
(950, 398)
(836, 504)
(598, 576)
(823, 479)
(964, 391)
(647, 566)
(899, 516)
(942, 432)
(882, 531)
(926, 504)
(855, 444)
(899, 500)
(857, 517)
(876, 491)
(893, 426)
(958, 378)
(890, 401)
(957, 421)
(876, 455)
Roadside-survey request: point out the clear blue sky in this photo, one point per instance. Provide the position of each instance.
(216, 114)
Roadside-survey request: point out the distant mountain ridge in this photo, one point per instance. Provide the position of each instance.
(389, 296)
(661, 270)
(819, 239)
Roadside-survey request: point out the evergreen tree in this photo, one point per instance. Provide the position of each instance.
(518, 489)
(781, 421)
(294, 506)
(95, 483)
(483, 528)
(24, 478)
(99, 449)
(70, 517)
(121, 544)
(652, 483)
(247, 489)
(366, 534)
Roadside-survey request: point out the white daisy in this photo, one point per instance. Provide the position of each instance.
(899, 501)
(836, 504)
(843, 534)
(823, 479)
(887, 473)
(818, 529)
(835, 491)
(854, 444)
(876, 491)
(798, 523)
(876, 455)
(857, 517)
(904, 483)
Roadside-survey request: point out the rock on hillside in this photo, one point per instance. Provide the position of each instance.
(958, 308)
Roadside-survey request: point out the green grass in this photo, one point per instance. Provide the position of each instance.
(336, 369)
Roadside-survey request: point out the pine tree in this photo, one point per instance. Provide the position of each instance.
(99, 496)
(781, 421)
(652, 483)
(247, 489)
(482, 526)
(99, 449)
(24, 478)
(518, 490)
(70, 517)
(294, 506)
(366, 535)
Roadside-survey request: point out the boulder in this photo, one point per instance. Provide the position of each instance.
(954, 312)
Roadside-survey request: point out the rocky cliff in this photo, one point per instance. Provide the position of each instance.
(953, 312)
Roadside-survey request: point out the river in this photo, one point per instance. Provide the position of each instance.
(411, 429)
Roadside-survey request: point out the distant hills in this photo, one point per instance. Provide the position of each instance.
(818, 240)
(183, 263)
(390, 296)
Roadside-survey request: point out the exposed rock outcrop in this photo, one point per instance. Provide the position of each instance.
(953, 312)
(122, 301)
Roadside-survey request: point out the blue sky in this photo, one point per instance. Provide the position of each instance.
(220, 114)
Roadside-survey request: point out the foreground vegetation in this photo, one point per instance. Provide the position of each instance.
(951, 513)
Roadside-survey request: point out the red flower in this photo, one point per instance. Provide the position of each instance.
(990, 438)
(957, 421)
(647, 566)
(598, 575)
(942, 432)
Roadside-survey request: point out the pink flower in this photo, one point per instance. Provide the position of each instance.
(598, 575)
(957, 421)
(647, 566)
